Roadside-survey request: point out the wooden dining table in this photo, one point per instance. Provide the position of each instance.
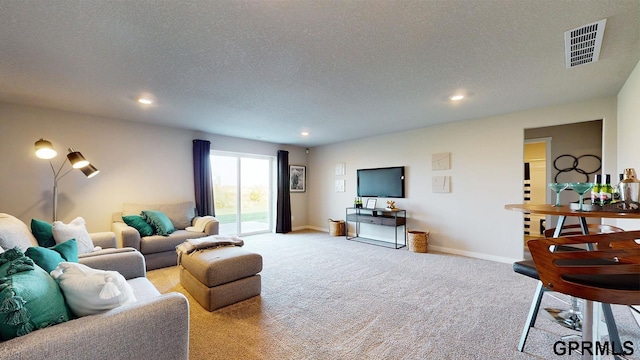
(592, 310)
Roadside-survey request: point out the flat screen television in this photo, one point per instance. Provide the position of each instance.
(381, 182)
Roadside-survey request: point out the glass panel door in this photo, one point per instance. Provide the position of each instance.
(255, 195)
(242, 193)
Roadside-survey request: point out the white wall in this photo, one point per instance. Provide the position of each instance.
(487, 173)
(138, 162)
(629, 132)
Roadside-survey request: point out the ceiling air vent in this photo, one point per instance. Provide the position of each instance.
(582, 45)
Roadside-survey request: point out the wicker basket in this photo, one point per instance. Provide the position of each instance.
(336, 227)
(417, 241)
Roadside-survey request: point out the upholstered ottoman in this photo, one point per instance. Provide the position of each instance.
(221, 276)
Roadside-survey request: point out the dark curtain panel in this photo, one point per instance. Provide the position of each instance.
(283, 216)
(203, 183)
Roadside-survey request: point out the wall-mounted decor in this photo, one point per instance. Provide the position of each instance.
(586, 165)
(441, 184)
(340, 168)
(297, 178)
(441, 161)
(340, 185)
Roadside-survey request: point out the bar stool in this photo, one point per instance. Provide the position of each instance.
(528, 268)
(609, 275)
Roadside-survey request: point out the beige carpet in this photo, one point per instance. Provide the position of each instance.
(325, 297)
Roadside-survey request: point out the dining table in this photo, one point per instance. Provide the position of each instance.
(592, 311)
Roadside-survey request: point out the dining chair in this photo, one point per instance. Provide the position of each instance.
(610, 274)
(528, 268)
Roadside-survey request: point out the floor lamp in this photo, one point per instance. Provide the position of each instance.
(44, 150)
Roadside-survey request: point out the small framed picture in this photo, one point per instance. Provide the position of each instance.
(371, 204)
(297, 178)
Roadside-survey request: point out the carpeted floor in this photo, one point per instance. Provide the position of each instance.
(325, 297)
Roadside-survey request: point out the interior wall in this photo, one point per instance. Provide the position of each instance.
(628, 134)
(141, 163)
(486, 171)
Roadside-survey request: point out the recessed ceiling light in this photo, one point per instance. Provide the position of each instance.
(304, 133)
(456, 97)
(146, 98)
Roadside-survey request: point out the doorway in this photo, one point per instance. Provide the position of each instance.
(242, 188)
(580, 141)
(536, 152)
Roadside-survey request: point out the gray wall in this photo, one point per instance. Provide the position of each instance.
(138, 162)
(486, 172)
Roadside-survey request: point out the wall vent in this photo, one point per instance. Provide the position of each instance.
(582, 45)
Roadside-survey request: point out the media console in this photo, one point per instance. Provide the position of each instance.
(377, 216)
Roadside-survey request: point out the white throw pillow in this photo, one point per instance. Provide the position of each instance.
(76, 229)
(13, 232)
(89, 291)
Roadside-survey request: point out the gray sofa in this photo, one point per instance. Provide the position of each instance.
(160, 251)
(154, 327)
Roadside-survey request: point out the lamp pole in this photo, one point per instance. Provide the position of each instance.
(56, 177)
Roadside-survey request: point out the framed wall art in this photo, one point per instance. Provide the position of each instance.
(371, 203)
(441, 161)
(297, 178)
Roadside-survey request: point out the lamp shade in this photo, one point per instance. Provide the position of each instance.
(89, 171)
(44, 149)
(76, 159)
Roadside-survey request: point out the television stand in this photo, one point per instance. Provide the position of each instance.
(378, 216)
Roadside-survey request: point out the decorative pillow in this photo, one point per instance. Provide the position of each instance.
(137, 222)
(49, 258)
(159, 221)
(76, 229)
(13, 232)
(90, 291)
(180, 214)
(29, 298)
(43, 231)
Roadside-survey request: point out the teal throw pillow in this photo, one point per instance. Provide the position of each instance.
(49, 258)
(159, 221)
(138, 223)
(43, 232)
(29, 298)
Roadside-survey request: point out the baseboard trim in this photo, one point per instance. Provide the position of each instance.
(472, 254)
(500, 259)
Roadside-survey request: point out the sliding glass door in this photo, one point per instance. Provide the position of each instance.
(242, 189)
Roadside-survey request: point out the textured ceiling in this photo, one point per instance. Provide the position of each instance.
(341, 70)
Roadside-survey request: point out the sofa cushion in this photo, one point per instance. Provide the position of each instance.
(43, 232)
(13, 232)
(49, 258)
(160, 223)
(90, 291)
(157, 243)
(138, 223)
(30, 298)
(76, 229)
(181, 214)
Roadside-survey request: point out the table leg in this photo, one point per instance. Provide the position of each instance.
(590, 329)
(559, 226)
(568, 318)
(583, 225)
